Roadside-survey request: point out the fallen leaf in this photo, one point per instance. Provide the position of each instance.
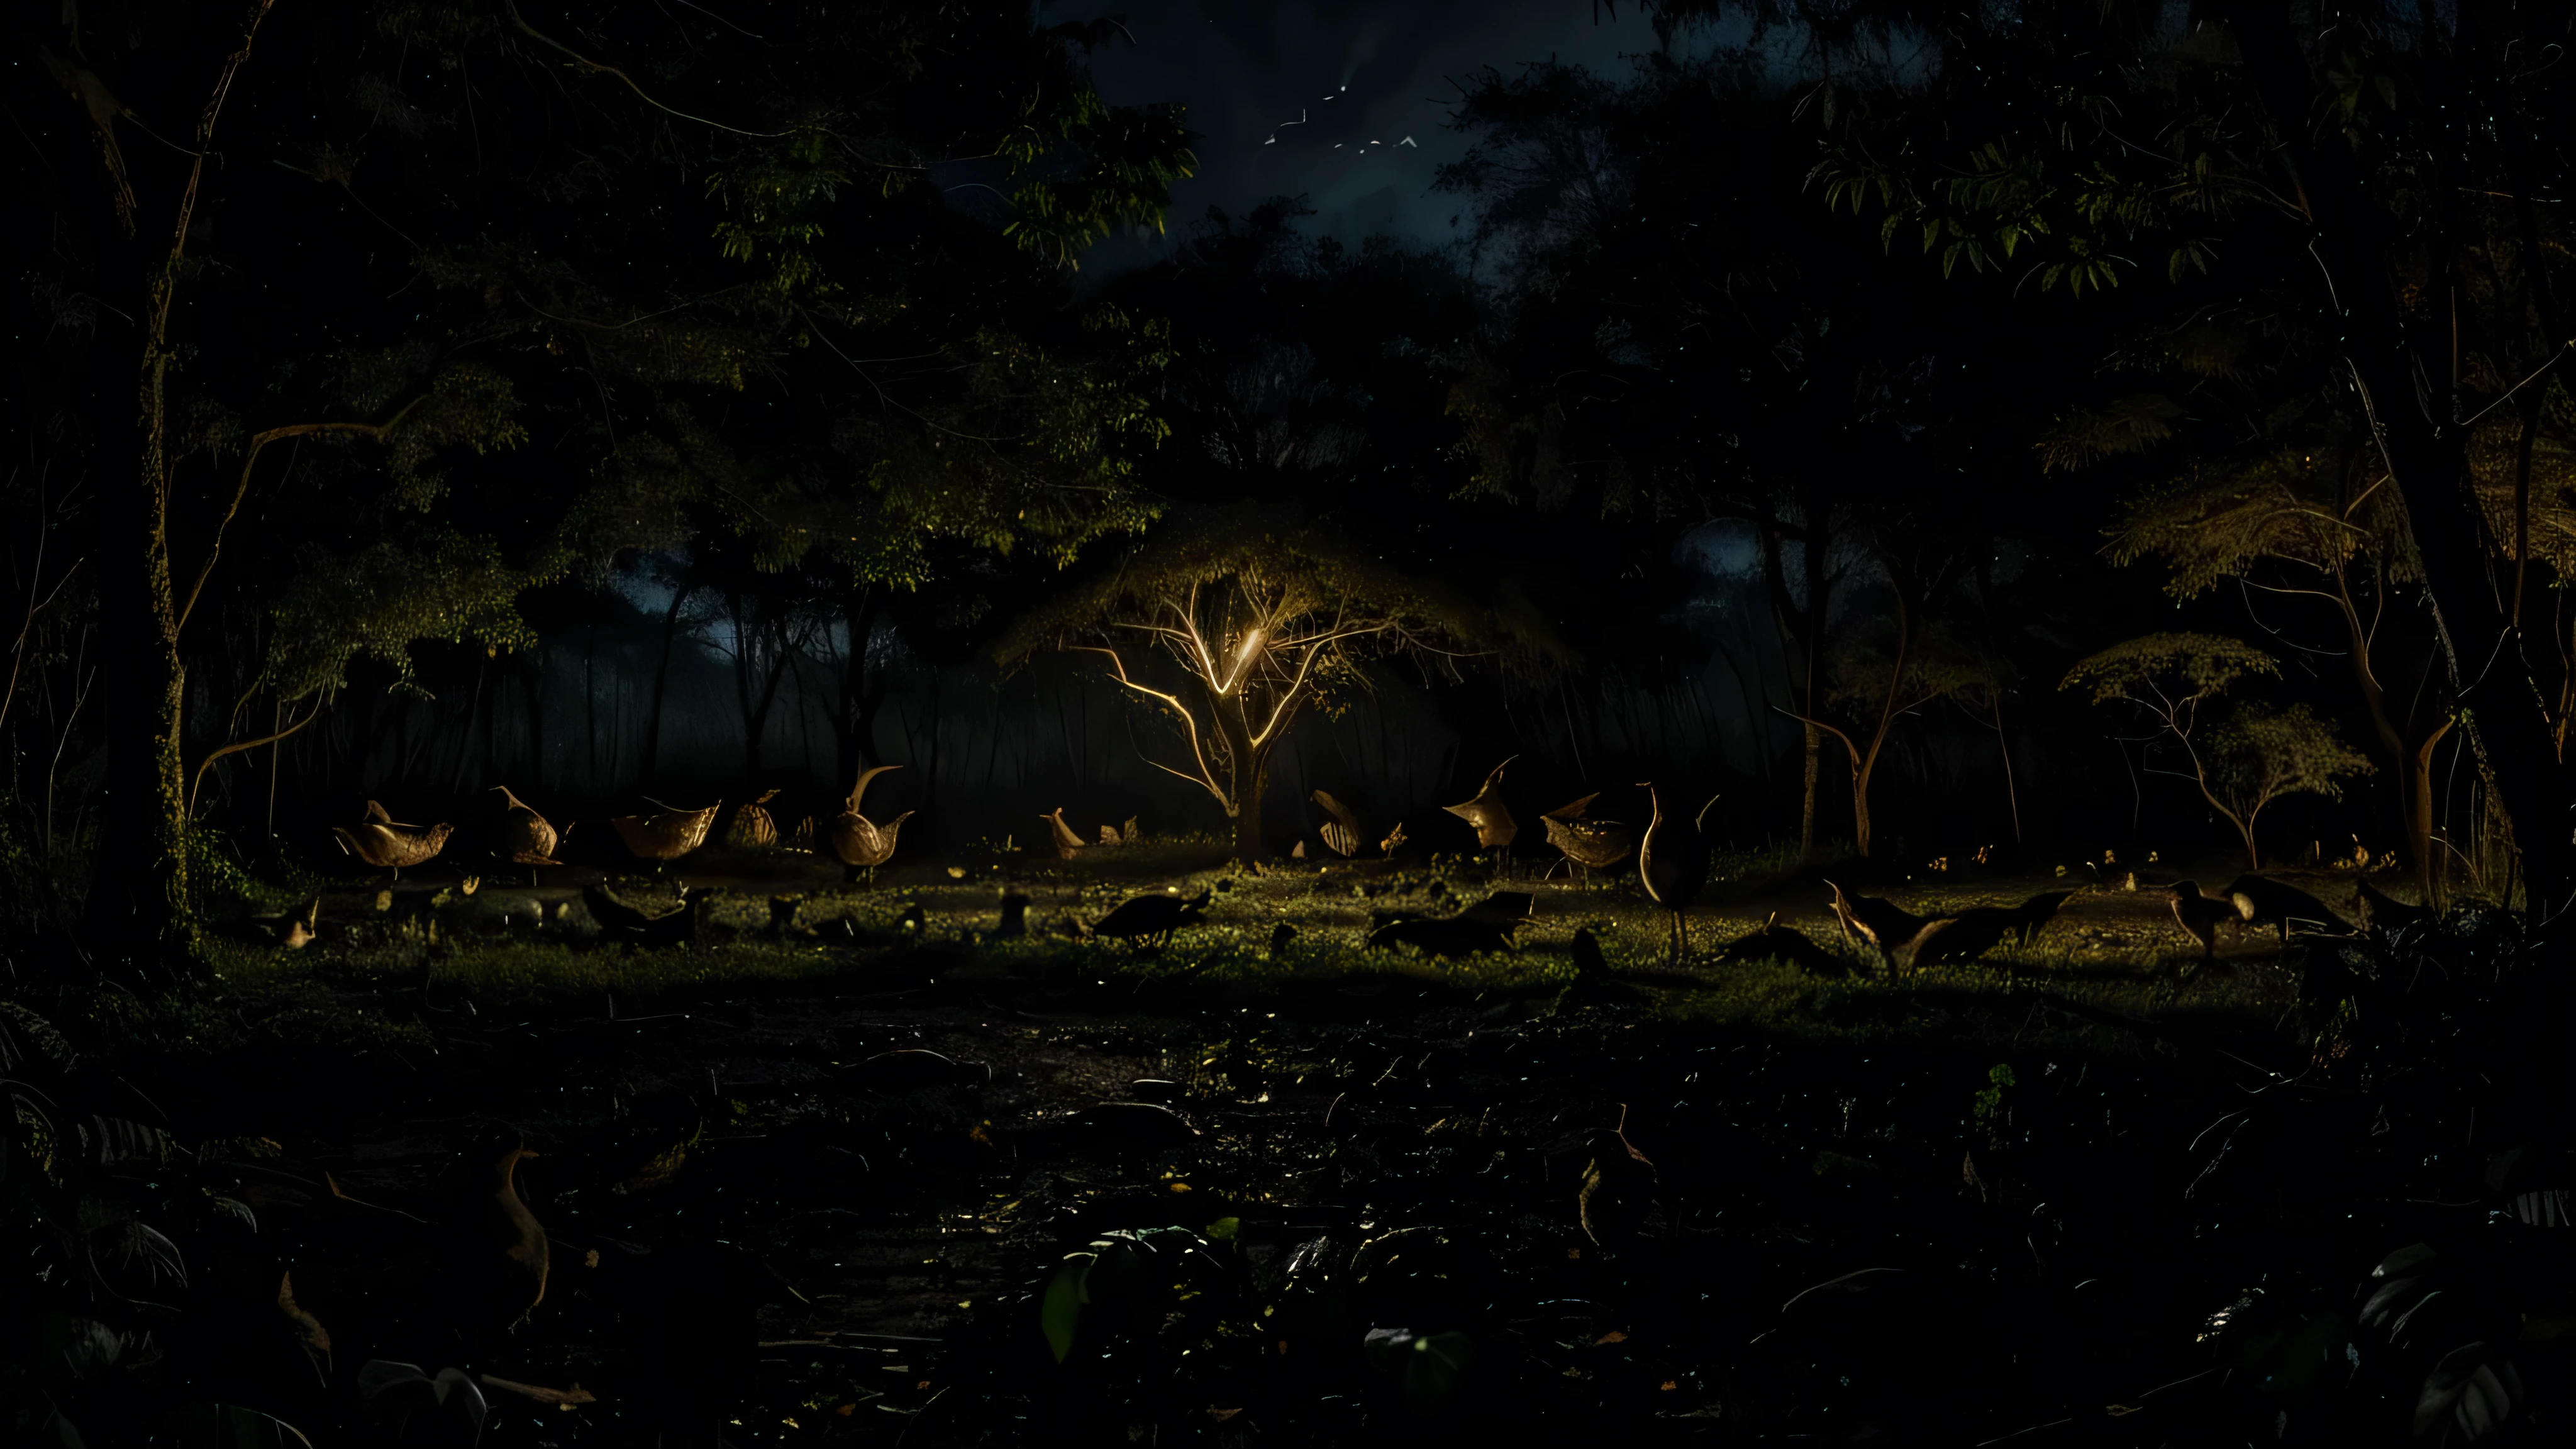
(1221, 1415)
(590, 1259)
(1670, 1385)
(1613, 1336)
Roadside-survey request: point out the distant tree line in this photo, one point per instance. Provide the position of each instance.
(1955, 424)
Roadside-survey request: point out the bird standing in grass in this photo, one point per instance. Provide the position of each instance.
(2200, 915)
(1776, 942)
(524, 837)
(861, 844)
(1495, 828)
(2264, 901)
(1067, 843)
(1884, 925)
(1587, 844)
(1672, 862)
(666, 834)
(1146, 923)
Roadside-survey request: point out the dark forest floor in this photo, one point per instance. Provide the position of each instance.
(1361, 1142)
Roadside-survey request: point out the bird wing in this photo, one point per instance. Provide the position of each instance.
(376, 814)
(1572, 810)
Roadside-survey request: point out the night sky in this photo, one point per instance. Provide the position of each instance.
(1245, 67)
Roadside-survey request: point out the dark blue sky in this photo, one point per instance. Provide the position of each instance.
(1243, 67)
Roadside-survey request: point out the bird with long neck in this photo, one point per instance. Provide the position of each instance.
(1065, 839)
(861, 843)
(1672, 862)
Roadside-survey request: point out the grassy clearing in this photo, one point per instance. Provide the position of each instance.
(2113, 953)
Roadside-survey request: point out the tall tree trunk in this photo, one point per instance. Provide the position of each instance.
(2491, 675)
(661, 683)
(854, 726)
(137, 913)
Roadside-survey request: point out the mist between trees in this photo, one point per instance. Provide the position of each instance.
(423, 419)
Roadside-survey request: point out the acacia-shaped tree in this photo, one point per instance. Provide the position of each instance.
(2241, 762)
(1265, 618)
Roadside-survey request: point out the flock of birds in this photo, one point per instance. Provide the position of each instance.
(1672, 857)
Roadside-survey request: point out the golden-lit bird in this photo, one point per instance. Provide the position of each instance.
(861, 844)
(497, 1253)
(524, 836)
(666, 834)
(1342, 832)
(1393, 839)
(2200, 915)
(752, 826)
(1067, 843)
(1672, 863)
(1495, 827)
(1587, 844)
(382, 842)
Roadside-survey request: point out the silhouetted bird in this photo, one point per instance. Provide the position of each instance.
(495, 1250)
(1588, 844)
(1507, 909)
(860, 843)
(1495, 828)
(524, 837)
(1618, 1185)
(1884, 925)
(666, 834)
(2386, 913)
(782, 913)
(2032, 916)
(1342, 832)
(2263, 901)
(1776, 942)
(387, 845)
(1585, 949)
(1452, 936)
(1015, 915)
(1962, 936)
(1147, 922)
(1672, 863)
(2200, 915)
(1067, 843)
(914, 919)
(1280, 936)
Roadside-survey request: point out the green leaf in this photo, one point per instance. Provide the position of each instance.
(1223, 1229)
(1060, 1312)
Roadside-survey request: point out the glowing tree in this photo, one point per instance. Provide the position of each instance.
(2241, 762)
(1264, 623)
